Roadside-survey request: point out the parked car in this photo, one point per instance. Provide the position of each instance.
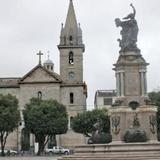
(9, 152)
(6, 152)
(57, 150)
(12, 152)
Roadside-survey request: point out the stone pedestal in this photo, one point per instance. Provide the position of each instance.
(132, 103)
(122, 119)
(131, 81)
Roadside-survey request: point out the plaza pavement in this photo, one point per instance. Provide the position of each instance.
(29, 158)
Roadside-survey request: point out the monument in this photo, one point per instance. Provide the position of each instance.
(132, 116)
(132, 104)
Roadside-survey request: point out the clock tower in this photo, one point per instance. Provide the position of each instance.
(73, 87)
(71, 49)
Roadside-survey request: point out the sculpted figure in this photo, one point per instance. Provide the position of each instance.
(129, 31)
(136, 133)
(98, 136)
(98, 126)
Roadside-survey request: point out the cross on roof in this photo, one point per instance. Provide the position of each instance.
(39, 54)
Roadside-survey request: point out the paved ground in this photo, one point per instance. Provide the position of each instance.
(28, 158)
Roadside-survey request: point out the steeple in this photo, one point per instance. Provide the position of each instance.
(71, 18)
(71, 33)
(71, 49)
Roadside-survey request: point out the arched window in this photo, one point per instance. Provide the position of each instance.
(25, 139)
(71, 60)
(70, 38)
(71, 120)
(64, 40)
(71, 98)
(39, 95)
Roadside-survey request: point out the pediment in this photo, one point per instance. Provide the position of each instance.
(40, 75)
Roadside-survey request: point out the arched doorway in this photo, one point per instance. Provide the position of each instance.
(25, 140)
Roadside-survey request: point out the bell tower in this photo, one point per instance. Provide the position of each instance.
(73, 87)
(71, 49)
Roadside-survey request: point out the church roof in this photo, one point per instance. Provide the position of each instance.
(9, 82)
(55, 77)
(105, 93)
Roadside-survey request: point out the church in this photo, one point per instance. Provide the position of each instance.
(67, 87)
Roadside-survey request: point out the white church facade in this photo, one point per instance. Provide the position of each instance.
(68, 87)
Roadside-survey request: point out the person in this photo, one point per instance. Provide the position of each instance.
(129, 31)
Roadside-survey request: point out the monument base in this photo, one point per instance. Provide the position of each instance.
(123, 151)
(124, 119)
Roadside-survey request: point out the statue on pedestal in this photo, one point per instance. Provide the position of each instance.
(129, 32)
(135, 134)
(98, 136)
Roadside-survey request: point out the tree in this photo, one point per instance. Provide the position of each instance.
(9, 117)
(45, 119)
(155, 98)
(83, 122)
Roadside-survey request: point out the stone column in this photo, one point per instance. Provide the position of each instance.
(122, 83)
(143, 83)
(118, 84)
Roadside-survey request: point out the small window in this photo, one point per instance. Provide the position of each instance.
(71, 60)
(71, 119)
(39, 95)
(47, 66)
(107, 101)
(64, 40)
(71, 98)
(51, 67)
(70, 38)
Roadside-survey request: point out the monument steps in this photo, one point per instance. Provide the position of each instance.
(121, 154)
(117, 157)
(123, 151)
(108, 158)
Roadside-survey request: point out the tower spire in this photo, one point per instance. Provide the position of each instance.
(71, 48)
(71, 16)
(71, 33)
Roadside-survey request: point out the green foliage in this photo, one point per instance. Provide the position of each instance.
(83, 122)
(45, 118)
(155, 98)
(52, 142)
(9, 117)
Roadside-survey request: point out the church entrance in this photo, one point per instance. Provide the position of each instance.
(25, 140)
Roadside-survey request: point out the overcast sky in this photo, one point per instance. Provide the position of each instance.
(27, 26)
